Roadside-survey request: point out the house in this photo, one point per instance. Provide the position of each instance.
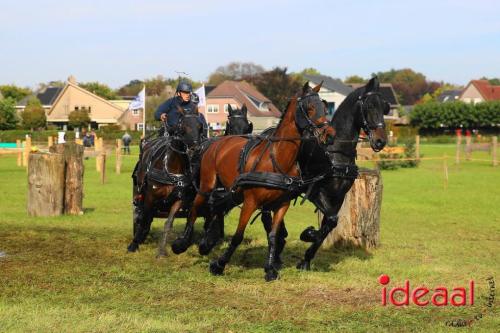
(388, 93)
(333, 91)
(261, 111)
(46, 97)
(102, 112)
(449, 96)
(480, 91)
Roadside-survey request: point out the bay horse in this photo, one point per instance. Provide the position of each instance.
(266, 176)
(162, 177)
(363, 109)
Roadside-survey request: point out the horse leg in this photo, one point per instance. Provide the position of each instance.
(271, 266)
(217, 266)
(182, 243)
(167, 228)
(144, 220)
(214, 231)
(267, 221)
(329, 222)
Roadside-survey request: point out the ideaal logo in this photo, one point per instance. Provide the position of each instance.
(423, 296)
(439, 296)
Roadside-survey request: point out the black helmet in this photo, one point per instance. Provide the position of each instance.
(184, 86)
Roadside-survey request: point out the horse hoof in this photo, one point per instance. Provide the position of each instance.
(271, 274)
(215, 268)
(205, 247)
(304, 265)
(133, 247)
(308, 235)
(180, 245)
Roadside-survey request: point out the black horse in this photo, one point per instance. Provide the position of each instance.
(363, 109)
(163, 177)
(237, 121)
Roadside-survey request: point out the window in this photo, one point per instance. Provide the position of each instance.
(213, 108)
(226, 107)
(136, 112)
(140, 126)
(77, 108)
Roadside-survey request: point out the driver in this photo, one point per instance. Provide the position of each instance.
(187, 100)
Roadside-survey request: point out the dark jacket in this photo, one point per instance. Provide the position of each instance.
(170, 108)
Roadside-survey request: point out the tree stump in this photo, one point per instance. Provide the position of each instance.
(45, 184)
(73, 161)
(359, 216)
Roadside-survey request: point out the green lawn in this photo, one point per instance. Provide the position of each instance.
(73, 274)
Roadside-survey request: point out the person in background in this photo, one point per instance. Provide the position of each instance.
(126, 140)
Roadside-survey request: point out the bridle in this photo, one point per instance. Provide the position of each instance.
(318, 130)
(229, 117)
(369, 128)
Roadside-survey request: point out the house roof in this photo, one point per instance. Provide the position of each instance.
(488, 91)
(330, 83)
(46, 97)
(386, 90)
(101, 117)
(449, 95)
(244, 92)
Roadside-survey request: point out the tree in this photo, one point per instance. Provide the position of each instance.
(12, 91)
(409, 85)
(100, 89)
(277, 85)
(33, 115)
(355, 79)
(235, 71)
(310, 71)
(8, 117)
(79, 118)
(131, 89)
(492, 81)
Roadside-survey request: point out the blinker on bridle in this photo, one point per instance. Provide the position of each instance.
(309, 121)
(362, 107)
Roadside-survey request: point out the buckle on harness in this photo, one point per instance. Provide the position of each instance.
(288, 181)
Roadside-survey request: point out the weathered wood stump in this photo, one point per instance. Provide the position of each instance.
(73, 164)
(45, 184)
(359, 216)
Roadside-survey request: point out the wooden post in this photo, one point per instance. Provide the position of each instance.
(359, 216)
(468, 147)
(73, 191)
(19, 153)
(457, 155)
(494, 144)
(445, 168)
(118, 156)
(417, 147)
(45, 184)
(103, 167)
(98, 150)
(27, 149)
(50, 141)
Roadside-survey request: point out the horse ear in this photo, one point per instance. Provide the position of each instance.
(229, 109)
(373, 84)
(244, 108)
(318, 87)
(305, 88)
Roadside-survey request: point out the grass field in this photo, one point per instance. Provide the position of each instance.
(72, 274)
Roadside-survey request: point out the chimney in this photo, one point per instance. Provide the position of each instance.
(72, 79)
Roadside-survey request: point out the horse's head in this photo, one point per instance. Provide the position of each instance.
(189, 128)
(237, 121)
(372, 107)
(311, 114)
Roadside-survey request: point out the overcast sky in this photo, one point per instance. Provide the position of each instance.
(116, 41)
